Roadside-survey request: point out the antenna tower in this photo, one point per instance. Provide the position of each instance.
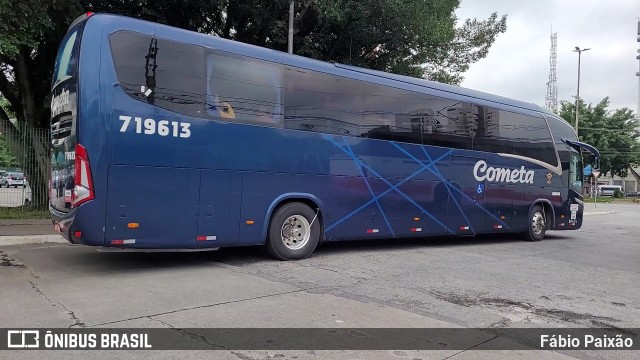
(551, 100)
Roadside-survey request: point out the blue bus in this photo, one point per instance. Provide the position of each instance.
(164, 138)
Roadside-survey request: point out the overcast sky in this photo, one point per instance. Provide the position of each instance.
(518, 62)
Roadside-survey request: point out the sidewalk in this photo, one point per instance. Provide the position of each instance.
(26, 227)
(599, 212)
(600, 208)
(32, 231)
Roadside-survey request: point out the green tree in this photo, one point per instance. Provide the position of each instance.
(6, 157)
(613, 132)
(412, 37)
(4, 104)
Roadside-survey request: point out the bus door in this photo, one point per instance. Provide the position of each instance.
(214, 208)
(373, 221)
(499, 199)
(146, 205)
(467, 201)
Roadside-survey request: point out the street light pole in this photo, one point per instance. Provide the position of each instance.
(638, 75)
(290, 47)
(579, 51)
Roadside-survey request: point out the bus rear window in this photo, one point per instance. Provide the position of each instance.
(66, 60)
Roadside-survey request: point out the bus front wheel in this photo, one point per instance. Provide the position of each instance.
(537, 224)
(294, 232)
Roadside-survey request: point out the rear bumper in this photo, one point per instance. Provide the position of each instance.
(81, 225)
(63, 224)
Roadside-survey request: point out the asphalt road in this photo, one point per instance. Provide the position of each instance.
(586, 278)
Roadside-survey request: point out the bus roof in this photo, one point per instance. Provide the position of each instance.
(384, 78)
(448, 88)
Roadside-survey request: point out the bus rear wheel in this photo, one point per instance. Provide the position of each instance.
(537, 224)
(294, 232)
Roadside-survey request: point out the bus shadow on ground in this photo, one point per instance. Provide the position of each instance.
(116, 261)
(426, 243)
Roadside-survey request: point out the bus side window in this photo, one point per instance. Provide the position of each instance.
(219, 108)
(161, 72)
(321, 103)
(215, 106)
(532, 137)
(248, 91)
(493, 131)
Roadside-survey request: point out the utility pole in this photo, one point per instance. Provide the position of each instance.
(552, 86)
(290, 26)
(579, 51)
(638, 75)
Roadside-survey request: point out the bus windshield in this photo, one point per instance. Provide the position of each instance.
(575, 172)
(66, 60)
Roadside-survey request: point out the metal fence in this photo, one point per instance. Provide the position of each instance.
(26, 155)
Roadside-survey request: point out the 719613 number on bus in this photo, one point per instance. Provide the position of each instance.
(150, 126)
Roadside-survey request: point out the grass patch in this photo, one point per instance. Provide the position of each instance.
(601, 199)
(15, 213)
(626, 200)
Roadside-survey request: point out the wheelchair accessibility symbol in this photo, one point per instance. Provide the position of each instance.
(480, 189)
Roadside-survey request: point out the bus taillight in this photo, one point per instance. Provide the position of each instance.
(83, 189)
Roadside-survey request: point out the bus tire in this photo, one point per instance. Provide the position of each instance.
(294, 232)
(537, 224)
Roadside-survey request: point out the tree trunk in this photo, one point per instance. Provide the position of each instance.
(36, 163)
(31, 111)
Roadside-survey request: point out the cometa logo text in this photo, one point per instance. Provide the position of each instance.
(481, 171)
(58, 103)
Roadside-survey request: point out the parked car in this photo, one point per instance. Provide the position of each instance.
(609, 190)
(14, 179)
(633, 194)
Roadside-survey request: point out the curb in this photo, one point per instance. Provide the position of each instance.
(31, 239)
(11, 222)
(599, 212)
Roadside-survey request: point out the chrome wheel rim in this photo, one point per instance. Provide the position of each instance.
(295, 232)
(537, 223)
